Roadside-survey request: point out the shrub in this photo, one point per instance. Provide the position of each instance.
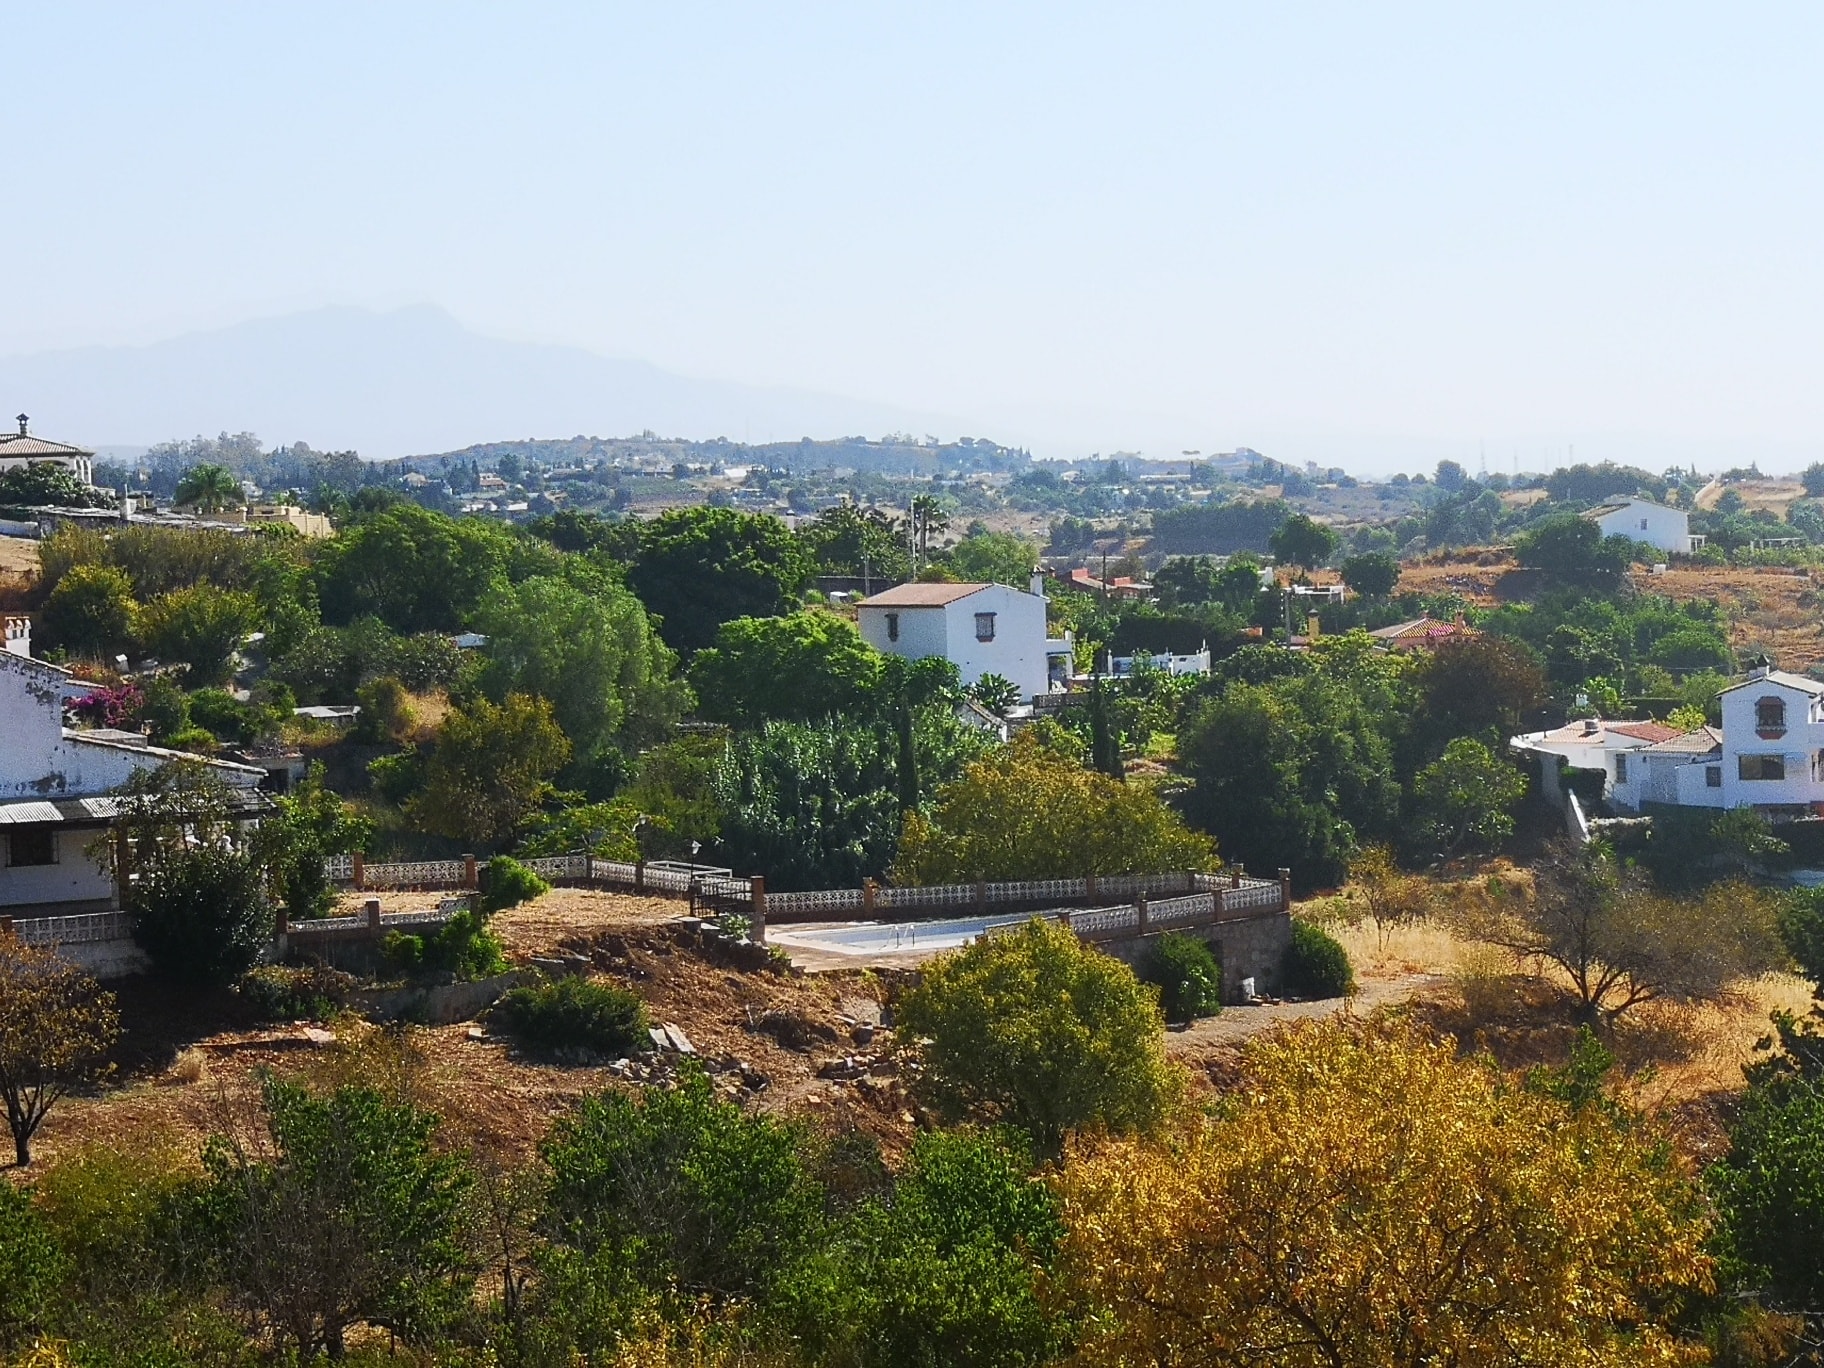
(575, 1013)
(203, 916)
(509, 883)
(31, 1265)
(283, 992)
(1316, 965)
(463, 946)
(1189, 978)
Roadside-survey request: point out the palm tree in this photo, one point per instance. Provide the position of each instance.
(209, 488)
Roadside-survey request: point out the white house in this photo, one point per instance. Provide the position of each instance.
(1642, 520)
(979, 628)
(1591, 744)
(53, 786)
(23, 449)
(1768, 754)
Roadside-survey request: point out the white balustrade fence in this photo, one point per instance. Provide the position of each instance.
(84, 928)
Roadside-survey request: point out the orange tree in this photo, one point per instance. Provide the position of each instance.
(1365, 1198)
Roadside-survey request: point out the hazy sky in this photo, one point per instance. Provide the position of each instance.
(1375, 231)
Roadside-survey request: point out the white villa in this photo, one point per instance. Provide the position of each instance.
(23, 449)
(54, 782)
(1767, 755)
(979, 628)
(1642, 520)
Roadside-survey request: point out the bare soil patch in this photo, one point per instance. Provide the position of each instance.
(187, 1063)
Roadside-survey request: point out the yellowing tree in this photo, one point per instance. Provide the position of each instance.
(1024, 812)
(1366, 1198)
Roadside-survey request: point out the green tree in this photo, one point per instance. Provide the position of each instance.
(1292, 773)
(349, 1214)
(1480, 683)
(1303, 541)
(593, 656)
(1572, 549)
(846, 540)
(1104, 742)
(45, 484)
(199, 628)
(994, 558)
(90, 613)
(810, 806)
(491, 768)
(1373, 574)
(944, 1269)
(1770, 1191)
(1187, 581)
(1035, 1029)
(678, 1188)
(800, 668)
(209, 489)
(197, 897)
(202, 915)
(926, 519)
(310, 824)
(414, 569)
(1467, 795)
(699, 567)
(1022, 812)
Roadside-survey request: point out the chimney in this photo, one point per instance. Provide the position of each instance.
(1313, 628)
(1591, 725)
(23, 421)
(19, 636)
(1038, 581)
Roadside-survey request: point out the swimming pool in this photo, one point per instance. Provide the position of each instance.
(880, 938)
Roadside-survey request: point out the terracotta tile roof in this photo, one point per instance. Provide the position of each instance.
(17, 444)
(922, 595)
(1651, 732)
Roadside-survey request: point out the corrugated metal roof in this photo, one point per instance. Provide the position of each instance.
(12, 814)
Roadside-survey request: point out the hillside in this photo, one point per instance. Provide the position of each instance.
(1768, 609)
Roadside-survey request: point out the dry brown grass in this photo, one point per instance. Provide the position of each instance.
(1767, 608)
(190, 1066)
(1676, 1055)
(1776, 496)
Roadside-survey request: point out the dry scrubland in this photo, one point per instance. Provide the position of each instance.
(1775, 610)
(184, 1070)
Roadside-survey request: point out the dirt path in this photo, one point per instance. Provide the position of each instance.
(1237, 1024)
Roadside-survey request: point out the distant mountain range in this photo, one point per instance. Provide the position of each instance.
(400, 383)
